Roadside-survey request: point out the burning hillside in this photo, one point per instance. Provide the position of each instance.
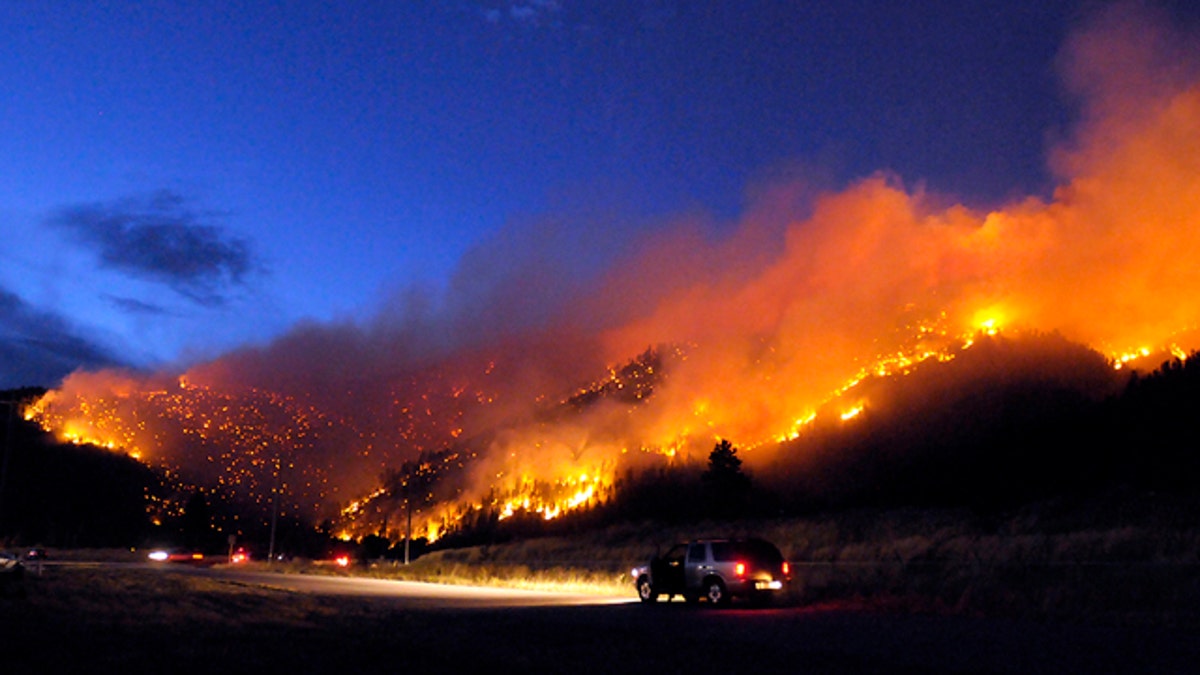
(777, 326)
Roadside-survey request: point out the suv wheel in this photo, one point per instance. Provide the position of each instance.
(646, 590)
(714, 590)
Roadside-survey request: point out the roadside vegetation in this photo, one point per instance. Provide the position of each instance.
(1121, 558)
(1125, 559)
(72, 619)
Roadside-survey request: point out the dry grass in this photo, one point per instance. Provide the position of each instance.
(1125, 563)
(1029, 564)
(137, 620)
(126, 598)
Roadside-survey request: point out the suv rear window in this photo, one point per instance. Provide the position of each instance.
(762, 553)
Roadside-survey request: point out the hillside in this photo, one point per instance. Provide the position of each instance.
(60, 494)
(1010, 421)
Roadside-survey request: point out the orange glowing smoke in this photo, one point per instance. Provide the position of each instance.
(769, 325)
(878, 271)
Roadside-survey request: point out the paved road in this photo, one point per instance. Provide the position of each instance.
(513, 631)
(415, 595)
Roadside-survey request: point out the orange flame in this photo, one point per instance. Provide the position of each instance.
(777, 325)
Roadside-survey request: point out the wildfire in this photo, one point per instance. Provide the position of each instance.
(1121, 360)
(777, 329)
(552, 500)
(243, 442)
(797, 427)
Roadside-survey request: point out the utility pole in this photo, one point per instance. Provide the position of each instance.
(408, 527)
(274, 510)
(8, 434)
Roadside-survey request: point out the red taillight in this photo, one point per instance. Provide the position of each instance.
(787, 569)
(740, 569)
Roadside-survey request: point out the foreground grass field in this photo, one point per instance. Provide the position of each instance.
(142, 619)
(72, 618)
(1121, 560)
(1127, 561)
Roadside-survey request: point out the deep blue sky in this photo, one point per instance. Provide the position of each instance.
(179, 178)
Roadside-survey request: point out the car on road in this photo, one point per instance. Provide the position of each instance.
(177, 556)
(716, 570)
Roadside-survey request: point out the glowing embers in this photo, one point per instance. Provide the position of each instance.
(1125, 358)
(359, 505)
(95, 423)
(797, 427)
(632, 383)
(551, 499)
(1145, 356)
(541, 498)
(919, 341)
(240, 441)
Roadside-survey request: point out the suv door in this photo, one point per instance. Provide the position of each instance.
(667, 571)
(698, 564)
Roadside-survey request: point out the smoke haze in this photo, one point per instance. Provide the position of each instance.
(761, 326)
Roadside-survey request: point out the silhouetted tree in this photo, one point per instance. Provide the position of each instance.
(373, 547)
(196, 521)
(726, 485)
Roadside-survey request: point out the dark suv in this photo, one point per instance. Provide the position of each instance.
(716, 570)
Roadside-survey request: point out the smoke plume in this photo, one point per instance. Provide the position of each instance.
(753, 332)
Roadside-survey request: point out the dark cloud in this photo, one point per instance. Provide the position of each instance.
(39, 348)
(526, 11)
(134, 306)
(161, 239)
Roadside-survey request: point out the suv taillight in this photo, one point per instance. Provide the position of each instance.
(787, 569)
(740, 569)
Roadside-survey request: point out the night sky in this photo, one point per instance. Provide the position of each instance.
(178, 179)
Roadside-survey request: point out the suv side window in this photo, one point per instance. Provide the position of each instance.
(698, 553)
(723, 551)
(675, 555)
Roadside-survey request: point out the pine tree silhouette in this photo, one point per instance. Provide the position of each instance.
(727, 485)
